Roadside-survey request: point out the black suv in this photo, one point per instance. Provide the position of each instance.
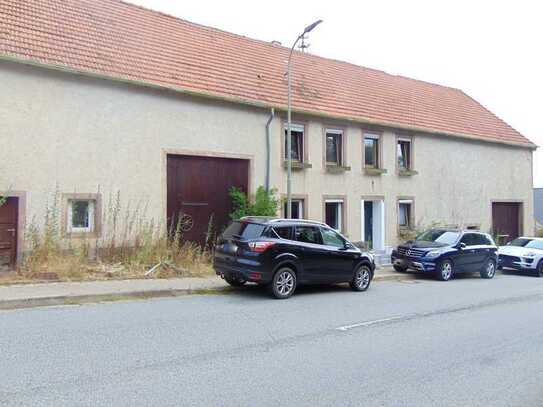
(282, 253)
(446, 252)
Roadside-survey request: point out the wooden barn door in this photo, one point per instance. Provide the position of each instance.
(8, 233)
(198, 192)
(506, 220)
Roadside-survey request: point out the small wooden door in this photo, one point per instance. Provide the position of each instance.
(198, 193)
(506, 218)
(8, 232)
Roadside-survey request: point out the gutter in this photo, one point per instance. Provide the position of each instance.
(252, 103)
(268, 149)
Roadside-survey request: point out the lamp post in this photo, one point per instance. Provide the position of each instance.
(307, 29)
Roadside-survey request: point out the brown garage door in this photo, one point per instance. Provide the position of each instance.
(8, 232)
(198, 192)
(506, 218)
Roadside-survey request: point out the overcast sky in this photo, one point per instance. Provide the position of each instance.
(492, 50)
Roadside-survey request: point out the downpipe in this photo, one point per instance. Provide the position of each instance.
(268, 148)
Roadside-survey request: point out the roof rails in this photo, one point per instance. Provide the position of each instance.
(308, 221)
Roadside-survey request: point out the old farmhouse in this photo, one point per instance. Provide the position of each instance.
(102, 98)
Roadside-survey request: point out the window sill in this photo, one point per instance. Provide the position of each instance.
(81, 235)
(407, 173)
(337, 169)
(297, 165)
(374, 171)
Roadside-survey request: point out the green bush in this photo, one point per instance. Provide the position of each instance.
(265, 203)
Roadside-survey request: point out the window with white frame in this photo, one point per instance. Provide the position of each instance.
(297, 145)
(297, 206)
(404, 151)
(333, 209)
(405, 213)
(81, 215)
(334, 147)
(371, 150)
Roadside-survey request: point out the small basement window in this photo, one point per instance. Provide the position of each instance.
(81, 215)
(297, 206)
(404, 154)
(297, 146)
(334, 147)
(405, 213)
(333, 209)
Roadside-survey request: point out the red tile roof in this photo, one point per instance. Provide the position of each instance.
(121, 40)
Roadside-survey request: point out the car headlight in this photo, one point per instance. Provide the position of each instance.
(433, 254)
(531, 255)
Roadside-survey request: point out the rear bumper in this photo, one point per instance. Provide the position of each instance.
(254, 273)
(417, 264)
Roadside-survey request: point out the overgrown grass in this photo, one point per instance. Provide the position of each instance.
(130, 245)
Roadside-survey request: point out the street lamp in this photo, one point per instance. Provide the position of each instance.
(307, 29)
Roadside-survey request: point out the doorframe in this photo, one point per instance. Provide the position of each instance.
(165, 152)
(21, 221)
(520, 212)
(373, 198)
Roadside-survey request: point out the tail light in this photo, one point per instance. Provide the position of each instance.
(260, 247)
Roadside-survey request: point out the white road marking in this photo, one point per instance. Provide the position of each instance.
(367, 323)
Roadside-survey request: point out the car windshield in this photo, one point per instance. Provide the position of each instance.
(243, 230)
(528, 243)
(439, 236)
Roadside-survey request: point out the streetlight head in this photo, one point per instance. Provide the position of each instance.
(310, 27)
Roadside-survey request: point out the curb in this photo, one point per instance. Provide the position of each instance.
(140, 295)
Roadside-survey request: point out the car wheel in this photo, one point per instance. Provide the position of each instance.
(234, 281)
(361, 279)
(283, 283)
(539, 271)
(445, 270)
(489, 271)
(400, 269)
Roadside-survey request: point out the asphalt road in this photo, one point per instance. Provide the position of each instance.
(467, 342)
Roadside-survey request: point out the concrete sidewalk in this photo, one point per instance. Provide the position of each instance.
(56, 293)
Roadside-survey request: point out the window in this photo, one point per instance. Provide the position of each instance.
(470, 239)
(297, 206)
(371, 151)
(243, 230)
(334, 146)
(81, 215)
(331, 238)
(404, 154)
(283, 232)
(297, 146)
(308, 234)
(334, 213)
(405, 212)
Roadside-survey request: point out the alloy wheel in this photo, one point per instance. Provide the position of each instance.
(490, 269)
(363, 278)
(285, 283)
(446, 270)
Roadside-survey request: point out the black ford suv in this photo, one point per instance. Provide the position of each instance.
(446, 252)
(282, 253)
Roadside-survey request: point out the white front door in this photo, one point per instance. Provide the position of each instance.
(374, 219)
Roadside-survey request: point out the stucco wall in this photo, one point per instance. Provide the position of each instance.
(80, 135)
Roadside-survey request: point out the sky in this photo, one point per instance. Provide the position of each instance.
(492, 50)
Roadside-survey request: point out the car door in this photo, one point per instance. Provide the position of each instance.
(467, 259)
(313, 253)
(340, 259)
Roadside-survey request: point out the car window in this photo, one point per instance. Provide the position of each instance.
(469, 239)
(332, 238)
(283, 232)
(535, 244)
(243, 230)
(439, 236)
(308, 234)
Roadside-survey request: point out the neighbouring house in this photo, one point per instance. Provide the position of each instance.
(103, 99)
(538, 207)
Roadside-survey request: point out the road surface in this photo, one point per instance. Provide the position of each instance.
(467, 342)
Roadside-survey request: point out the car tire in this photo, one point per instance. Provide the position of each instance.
(400, 269)
(234, 281)
(283, 283)
(445, 270)
(539, 271)
(361, 279)
(489, 269)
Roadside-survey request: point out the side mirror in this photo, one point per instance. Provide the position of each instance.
(461, 246)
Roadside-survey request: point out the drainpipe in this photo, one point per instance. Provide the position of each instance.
(268, 148)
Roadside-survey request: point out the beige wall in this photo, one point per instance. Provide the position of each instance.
(80, 135)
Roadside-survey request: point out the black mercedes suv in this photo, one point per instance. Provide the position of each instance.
(283, 253)
(445, 252)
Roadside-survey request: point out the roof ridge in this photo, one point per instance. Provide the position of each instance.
(274, 46)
